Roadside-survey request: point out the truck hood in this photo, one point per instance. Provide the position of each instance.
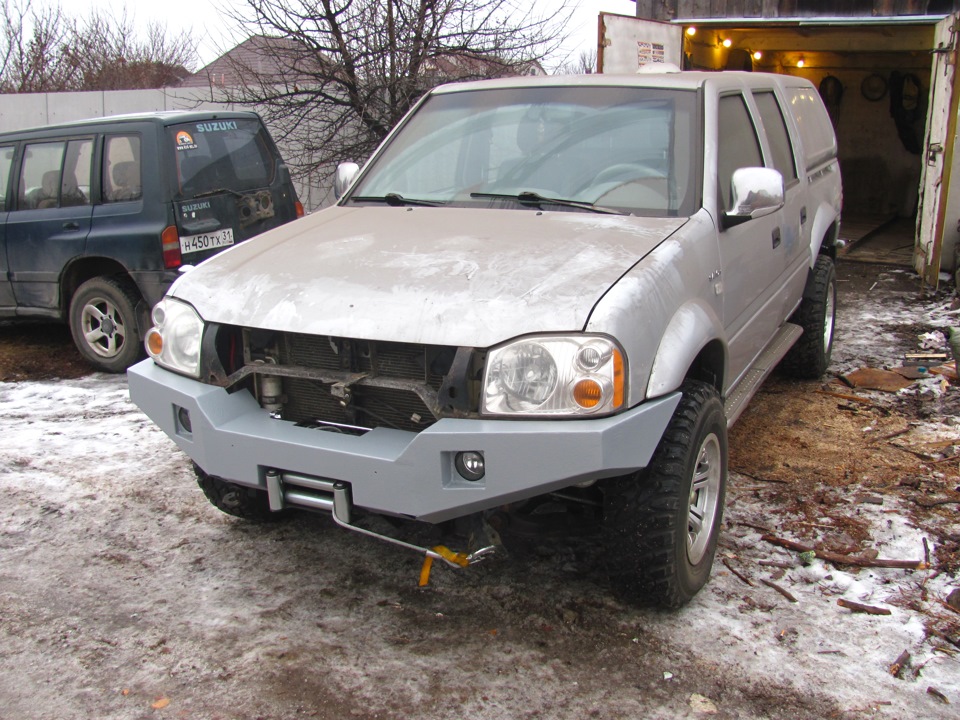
(440, 276)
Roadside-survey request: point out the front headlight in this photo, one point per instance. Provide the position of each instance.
(555, 375)
(174, 340)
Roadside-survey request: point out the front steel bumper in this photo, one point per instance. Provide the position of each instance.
(394, 471)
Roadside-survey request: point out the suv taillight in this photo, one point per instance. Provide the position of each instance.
(170, 241)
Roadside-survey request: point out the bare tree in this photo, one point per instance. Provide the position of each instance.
(44, 50)
(584, 64)
(333, 76)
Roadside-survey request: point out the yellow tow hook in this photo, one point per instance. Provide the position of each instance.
(454, 559)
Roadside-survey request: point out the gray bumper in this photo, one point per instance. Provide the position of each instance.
(394, 471)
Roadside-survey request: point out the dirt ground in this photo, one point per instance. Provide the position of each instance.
(123, 594)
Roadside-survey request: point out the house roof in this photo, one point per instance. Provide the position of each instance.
(271, 60)
(266, 58)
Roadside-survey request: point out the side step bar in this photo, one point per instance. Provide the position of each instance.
(286, 489)
(736, 402)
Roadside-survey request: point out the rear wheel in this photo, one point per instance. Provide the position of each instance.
(237, 500)
(103, 322)
(661, 523)
(809, 358)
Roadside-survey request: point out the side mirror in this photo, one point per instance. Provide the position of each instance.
(756, 192)
(346, 173)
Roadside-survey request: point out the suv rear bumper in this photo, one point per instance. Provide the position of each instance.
(393, 471)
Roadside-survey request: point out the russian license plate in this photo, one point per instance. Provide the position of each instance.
(206, 241)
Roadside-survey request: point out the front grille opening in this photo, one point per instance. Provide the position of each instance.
(349, 385)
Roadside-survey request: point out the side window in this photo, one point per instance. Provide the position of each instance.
(738, 144)
(77, 171)
(6, 163)
(777, 134)
(40, 175)
(121, 168)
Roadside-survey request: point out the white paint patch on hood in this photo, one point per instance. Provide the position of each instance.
(446, 276)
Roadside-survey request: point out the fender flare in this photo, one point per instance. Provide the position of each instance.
(825, 217)
(690, 329)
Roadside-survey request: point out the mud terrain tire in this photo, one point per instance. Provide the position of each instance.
(661, 523)
(809, 358)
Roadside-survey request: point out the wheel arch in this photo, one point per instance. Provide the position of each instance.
(824, 233)
(690, 348)
(83, 269)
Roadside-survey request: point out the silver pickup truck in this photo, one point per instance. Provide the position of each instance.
(556, 285)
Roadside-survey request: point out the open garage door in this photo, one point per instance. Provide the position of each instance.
(938, 152)
(627, 43)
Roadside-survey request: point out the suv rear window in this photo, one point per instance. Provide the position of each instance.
(216, 154)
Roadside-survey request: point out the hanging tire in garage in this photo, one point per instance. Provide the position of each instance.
(809, 358)
(103, 322)
(661, 523)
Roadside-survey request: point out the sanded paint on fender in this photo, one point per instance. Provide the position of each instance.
(688, 332)
(638, 308)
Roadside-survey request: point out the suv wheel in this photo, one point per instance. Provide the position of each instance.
(236, 500)
(809, 358)
(103, 322)
(661, 523)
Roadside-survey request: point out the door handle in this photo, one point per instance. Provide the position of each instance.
(803, 215)
(776, 238)
(71, 225)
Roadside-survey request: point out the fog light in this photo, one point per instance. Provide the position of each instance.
(470, 465)
(183, 418)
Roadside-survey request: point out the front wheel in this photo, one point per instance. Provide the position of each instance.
(103, 321)
(661, 524)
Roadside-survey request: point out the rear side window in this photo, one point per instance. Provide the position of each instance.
(6, 163)
(221, 154)
(738, 144)
(816, 130)
(777, 134)
(122, 169)
(77, 171)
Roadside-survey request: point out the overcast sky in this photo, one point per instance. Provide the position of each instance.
(202, 19)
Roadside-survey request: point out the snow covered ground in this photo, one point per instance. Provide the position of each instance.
(123, 594)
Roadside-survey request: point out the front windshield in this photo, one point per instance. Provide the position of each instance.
(625, 148)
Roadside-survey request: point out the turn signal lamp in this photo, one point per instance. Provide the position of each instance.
(588, 393)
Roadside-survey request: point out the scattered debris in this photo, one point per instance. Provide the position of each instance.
(786, 593)
(900, 663)
(839, 559)
(703, 705)
(740, 575)
(860, 607)
(873, 379)
(938, 695)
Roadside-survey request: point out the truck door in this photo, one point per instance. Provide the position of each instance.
(49, 224)
(752, 254)
(6, 165)
(938, 151)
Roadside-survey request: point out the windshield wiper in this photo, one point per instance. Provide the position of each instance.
(217, 191)
(398, 200)
(531, 198)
